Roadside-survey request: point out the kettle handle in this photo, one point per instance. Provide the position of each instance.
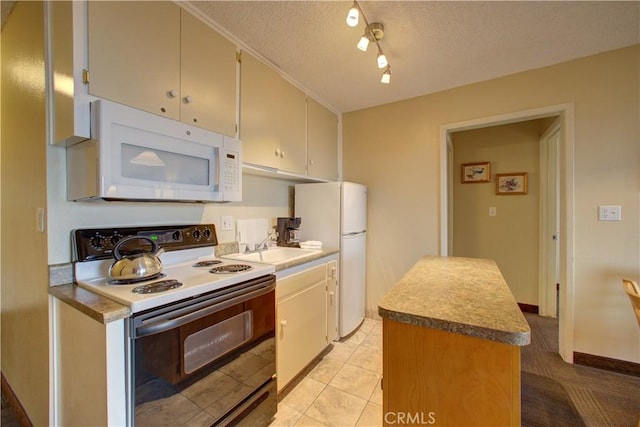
(116, 249)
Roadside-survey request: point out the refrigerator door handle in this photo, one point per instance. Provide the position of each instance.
(355, 233)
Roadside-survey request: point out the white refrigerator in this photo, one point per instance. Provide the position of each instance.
(335, 213)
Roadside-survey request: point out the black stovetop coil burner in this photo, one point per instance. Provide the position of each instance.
(134, 281)
(207, 263)
(155, 287)
(231, 268)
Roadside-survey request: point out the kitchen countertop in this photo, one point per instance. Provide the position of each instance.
(300, 261)
(96, 306)
(466, 296)
(105, 310)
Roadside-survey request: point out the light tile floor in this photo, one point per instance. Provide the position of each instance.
(343, 389)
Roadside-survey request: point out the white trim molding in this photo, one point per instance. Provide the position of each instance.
(567, 203)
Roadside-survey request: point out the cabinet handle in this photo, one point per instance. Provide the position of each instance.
(277, 152)
(283, 323)
(311, 162)
(187, 99)
(172, 93)
(282, 154)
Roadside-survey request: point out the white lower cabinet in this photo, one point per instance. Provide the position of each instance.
(303, 318)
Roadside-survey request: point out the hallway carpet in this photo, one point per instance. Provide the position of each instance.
(601, 398)
(546, 403)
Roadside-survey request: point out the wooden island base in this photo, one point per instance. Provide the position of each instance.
(435, 377)
(452, 333)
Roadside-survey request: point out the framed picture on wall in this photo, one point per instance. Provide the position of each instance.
(511, 183)
(476, 172)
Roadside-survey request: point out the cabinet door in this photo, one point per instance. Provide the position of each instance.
(293, 128)
(259, 112)
(134, 54)
(301, 322)
(208, 80)
(332, 300)
(322, 141)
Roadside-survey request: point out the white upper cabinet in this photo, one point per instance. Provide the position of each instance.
(259, 112)
(282, 128)
(158, 58)
(322, 141)
(208, 85)
(272, 118)
(134, 54)
(293, 117)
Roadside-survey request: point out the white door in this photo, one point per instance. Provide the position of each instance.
(352, 282)
(354, 208)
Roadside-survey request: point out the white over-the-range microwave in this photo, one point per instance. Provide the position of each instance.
(135, 155)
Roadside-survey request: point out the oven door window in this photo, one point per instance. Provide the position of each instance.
(207, 345)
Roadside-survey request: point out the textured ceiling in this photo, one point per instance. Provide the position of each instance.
(431, 45)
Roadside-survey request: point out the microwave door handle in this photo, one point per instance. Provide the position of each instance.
(171, 323)
(219, 156)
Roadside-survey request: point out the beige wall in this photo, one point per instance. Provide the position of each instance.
(394, 149)
(25, 326)
(511, 236)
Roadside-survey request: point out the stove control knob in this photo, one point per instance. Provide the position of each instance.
(206, 233)
(177, 236)
(196, 234)
(115, 239)
(97, 242)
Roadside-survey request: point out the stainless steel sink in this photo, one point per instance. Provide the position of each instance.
(274, 256)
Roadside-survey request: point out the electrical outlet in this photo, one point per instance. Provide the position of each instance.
(492, 211)
(226, 223)
(610, 213)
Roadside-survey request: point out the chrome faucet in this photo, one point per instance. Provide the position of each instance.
(262, 245)
(258, 247)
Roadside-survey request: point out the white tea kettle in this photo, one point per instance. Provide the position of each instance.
(136, 267)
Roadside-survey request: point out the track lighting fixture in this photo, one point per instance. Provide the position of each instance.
(373, 32)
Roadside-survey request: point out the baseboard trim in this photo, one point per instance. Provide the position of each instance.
(606, 363)
(13, 401)
(528, 308)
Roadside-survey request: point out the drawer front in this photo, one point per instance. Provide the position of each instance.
(296, 283)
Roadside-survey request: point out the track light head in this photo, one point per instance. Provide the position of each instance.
(386, 76)
(363, 44)
(353, 17)
(382, 60)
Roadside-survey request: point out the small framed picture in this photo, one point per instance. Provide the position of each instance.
(511, 183)
(476, 172)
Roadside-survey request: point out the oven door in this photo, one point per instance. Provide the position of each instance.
(209, 360)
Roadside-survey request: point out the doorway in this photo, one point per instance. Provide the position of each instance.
(565, 199)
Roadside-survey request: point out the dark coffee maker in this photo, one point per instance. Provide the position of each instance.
(288, 231)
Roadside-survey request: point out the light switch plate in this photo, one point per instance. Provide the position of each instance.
(610, 213)
(226, 223)
(492, 211)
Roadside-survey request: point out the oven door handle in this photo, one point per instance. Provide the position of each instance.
(167, 323)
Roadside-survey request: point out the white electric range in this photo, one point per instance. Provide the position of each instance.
(190, 267)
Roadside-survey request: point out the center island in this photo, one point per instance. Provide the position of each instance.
(452, 333)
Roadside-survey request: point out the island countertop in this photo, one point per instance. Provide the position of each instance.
(467, 296)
